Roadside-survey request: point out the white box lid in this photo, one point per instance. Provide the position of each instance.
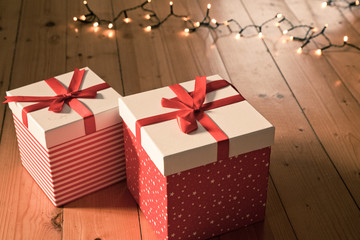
(173, 151)
(52, 129)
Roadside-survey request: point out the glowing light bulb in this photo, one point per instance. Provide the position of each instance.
(171, 3)
(95, 24)
(84, 2)
(186, 30)
(279, 15)
(185, 19)
(82, 18)
(76, 30)
(147, 16)
(357, 2)
(75, 19)
(291, 38)
(260, 35)
(127, 20)
(238, 36)
(326, 25)
(318, 52)
(197, 24)
(111, 25)
(277, 24)
(346, 38)
(226, 23)
(213, 21)
(324, 4)
(148, 29)
(149, 1)
(299, 51)
(285, 31)
(208, 6)
(314, 29)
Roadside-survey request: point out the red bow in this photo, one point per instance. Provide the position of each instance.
(190, 104)
(192, 109)
(68, 96)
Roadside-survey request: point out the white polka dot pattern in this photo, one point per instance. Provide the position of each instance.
(202, 202)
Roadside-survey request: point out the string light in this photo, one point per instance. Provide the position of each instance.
(208, 22)
(148, 29)
(345, 3)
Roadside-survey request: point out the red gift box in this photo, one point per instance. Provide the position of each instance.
(184, 184)
(76, 150)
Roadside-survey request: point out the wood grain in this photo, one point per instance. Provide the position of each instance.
(10, 15)
(103, 214)
(26, 212)
(313, 189)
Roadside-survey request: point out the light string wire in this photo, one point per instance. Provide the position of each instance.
(311, 32)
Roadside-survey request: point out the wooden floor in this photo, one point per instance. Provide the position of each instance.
(314, 103)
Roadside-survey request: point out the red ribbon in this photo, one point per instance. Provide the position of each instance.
(192, 109)
(68, 96)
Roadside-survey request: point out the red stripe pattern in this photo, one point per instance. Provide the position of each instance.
(76, 168)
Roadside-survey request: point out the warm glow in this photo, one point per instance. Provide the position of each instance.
(95, 24)
(110, 34)
(324, 4)
(75, 19)
(82, 18)
(279, 15)
(171, 3)
(147, 16)
(76, 30)
(238, 36)
(318, 52)
(346, 38)
(84, 2)
(149, 1)
(357, 2)
(197, 24)
(110, 25)
(291, 38)
(277, 24)
(209, 6)
(326, 25)
(213, 21)
(127, 20)
(186, 30)
(185, 19)
(226, 23)
(299, 51)
(285, 31)
(260, 35)
(314, 29)
(148, 29)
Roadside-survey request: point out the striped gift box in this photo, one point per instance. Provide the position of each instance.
(65, 162)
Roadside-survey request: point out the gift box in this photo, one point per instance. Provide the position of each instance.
(197, 158)
(69, 134)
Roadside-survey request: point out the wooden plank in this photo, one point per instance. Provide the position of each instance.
(110, 213)
(9, 19)
(315, 198)
(332, 111)
(93, 47)
(40, 53)
(107, 214)
(25, 211)
(344, 61)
